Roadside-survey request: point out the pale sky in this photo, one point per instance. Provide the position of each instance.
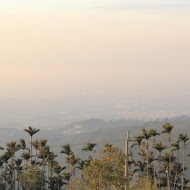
(84, 58)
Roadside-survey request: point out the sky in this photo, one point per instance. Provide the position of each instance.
(79, 59)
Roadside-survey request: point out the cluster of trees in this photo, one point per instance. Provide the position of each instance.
(155, 161)
(160, 160)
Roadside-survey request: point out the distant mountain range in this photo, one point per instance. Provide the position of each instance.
(97, 130)
(88, 129)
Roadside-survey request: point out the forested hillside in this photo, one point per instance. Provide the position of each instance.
(94, 158)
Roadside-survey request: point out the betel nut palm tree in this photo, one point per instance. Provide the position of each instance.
(159, 146)
(167, 129)
(183, 138)
(31, 131)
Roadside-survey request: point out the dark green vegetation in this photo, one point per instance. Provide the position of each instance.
(158, 159)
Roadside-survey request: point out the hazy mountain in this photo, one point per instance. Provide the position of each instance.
(96, 130)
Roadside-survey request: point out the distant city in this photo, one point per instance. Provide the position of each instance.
(152, 115)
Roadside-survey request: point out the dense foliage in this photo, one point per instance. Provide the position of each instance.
(156, 160)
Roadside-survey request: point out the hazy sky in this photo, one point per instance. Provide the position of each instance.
(85, 58)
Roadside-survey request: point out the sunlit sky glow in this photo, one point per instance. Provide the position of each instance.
(86, 57)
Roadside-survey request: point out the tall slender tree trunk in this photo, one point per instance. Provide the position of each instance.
(68, 174)
(48, 176)
(177, 171)
(139, 160)
(159, 169)
(182, 178)
(168, 180)
(154, 168)
(18, 181)
(23, 158)
(168, 172)
(14, 172)
(178, 157)
(147, 154)
(31, 149)
(44, 171)
(58, 183)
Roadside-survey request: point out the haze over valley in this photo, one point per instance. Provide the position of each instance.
(68, 61)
